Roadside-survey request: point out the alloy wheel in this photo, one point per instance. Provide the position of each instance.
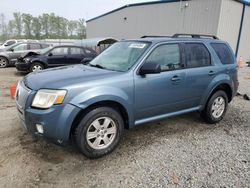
(218, 107)
(101, 133)
(3, 62)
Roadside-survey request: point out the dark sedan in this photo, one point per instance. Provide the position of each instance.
(55, 57)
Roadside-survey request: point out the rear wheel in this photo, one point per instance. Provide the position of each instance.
(36, 67)
(99, 132)
(216, 107)
(3, 62)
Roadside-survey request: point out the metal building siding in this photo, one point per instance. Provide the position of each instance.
(244, 49)
(229, 22)
(158, 19)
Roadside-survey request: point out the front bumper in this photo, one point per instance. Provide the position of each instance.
(22, 66)
(56, 121)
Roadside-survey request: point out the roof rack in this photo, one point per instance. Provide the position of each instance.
(153, 36)
(194, 36)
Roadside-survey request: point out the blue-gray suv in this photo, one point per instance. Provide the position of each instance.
(131, 83)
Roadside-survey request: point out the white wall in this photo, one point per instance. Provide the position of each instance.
(200, 16)
(229, 22)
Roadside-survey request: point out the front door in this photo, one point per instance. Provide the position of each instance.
(58, 57)
(158, 94)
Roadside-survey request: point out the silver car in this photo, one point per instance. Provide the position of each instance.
(10, 54)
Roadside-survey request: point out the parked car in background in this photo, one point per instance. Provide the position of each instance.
(14, 41)
(54, 57)
(8, 43)
(131, 83)
(10, 54)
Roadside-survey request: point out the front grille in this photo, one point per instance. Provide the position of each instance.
(21, 98)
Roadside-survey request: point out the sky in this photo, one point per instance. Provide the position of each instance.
(70, 9)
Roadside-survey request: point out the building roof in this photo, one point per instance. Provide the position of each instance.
(246, 2)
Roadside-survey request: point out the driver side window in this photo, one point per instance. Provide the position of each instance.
(167, 56)
(60, 51)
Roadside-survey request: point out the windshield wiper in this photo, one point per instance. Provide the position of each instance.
(97, 66)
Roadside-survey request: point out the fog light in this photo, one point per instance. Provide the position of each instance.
(39, 128)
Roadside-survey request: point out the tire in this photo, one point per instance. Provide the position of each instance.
(216, 107)
(36, 67)
(4, 62)
(91, 131)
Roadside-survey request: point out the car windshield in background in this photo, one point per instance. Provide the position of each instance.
(121, 56)
(45, 50)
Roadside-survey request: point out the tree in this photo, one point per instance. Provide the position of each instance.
(44, 20)
(41, 27)
(36, 27)
(18, 23)
(81, 29)
(72, 28)
(3, 28)
(27, 21)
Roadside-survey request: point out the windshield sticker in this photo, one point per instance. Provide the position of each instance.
(137, 45)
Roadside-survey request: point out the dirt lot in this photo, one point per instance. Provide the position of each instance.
(179, 152)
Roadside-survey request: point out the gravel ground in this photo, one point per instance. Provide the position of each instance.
(178, 152)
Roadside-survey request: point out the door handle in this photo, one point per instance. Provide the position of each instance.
(211, 73)
(175, 78)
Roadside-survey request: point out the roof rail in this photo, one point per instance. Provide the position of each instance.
(153, 36)
(193, 35)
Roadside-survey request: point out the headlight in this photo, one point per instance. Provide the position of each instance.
(46, 98)
(27, 59)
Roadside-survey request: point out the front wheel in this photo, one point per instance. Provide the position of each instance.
(99, 132)
(36, 67)
(216, 107)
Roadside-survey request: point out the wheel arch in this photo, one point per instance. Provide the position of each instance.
(221, 86)
(107, 103)
(39, 61)
(5, 58)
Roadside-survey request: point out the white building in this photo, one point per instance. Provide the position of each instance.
(227, 19)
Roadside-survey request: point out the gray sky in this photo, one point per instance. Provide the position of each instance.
(70, 9)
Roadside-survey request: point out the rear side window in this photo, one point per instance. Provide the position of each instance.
(223, 52)
(35, 46)
(45, 45)
(197, 55)
(76, 51)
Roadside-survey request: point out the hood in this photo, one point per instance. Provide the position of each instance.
(62, 77)
(28, 54)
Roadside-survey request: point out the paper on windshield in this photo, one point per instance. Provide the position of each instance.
(137, 45)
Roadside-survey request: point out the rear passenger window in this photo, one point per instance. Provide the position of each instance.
(35, 46)
(168, 56)
(223, 52)
(76, 51)
(197, 55)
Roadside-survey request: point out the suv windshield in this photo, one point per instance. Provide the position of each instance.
(121, 56)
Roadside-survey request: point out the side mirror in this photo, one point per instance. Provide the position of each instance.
(86, 60)
(50, 54)
(12, 50)
(150, 68)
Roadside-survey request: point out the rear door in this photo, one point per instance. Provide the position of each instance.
(200, 72)
(58, 56)
(76, 55)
